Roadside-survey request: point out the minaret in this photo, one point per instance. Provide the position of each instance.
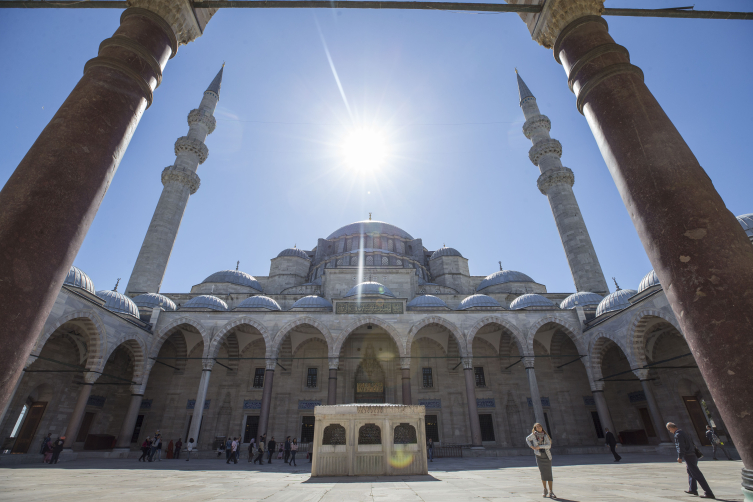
(556, 182)
(180, 181)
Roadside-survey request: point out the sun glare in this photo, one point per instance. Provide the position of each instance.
(364, 149)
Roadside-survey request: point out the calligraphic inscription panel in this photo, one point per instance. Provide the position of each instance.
(369, 308)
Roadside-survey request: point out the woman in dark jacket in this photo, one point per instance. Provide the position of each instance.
(145, 446)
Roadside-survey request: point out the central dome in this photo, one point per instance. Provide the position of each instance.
(369, 288)
(369, 227)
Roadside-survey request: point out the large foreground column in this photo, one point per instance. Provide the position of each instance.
(653, 410)
(405, 370)
(201, 396)
(51, 198)
(74, 422)
(266, 400)
(601, 408)
(334, 362)
(470, 391)
(129, 422)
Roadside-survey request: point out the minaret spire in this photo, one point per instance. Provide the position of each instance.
(556, 182)
(180, 182)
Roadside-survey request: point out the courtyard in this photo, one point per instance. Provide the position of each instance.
(581, 478)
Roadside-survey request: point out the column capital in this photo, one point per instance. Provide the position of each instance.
(597, 387)
(544, 147)
(187, 23)
(192, 145)
(467, 363)
(173, 174)
(529, 362)
(642, 374)
(90, 377)
(546, 26)
(207, 364)
(553, 177)
(334, 363)
(271, 363)
(30, 360)
(405, 363)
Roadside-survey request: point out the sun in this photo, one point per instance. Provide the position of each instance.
(364, 149)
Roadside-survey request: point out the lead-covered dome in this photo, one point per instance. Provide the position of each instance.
(298, 253)
(445, 251)
(746, 220)
(582, 299)
(531, 301)
(312, 302)
(479, 301)
(234, 277)
(649, 281)
(369, 288)
(618, 300)
(426, 302)
(502, 277)
(369, 227)
(119, 303)
(154, 300)
(76, 278)
(205, 302)
(258, 302)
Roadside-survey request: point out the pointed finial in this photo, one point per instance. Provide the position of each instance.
(237, 264)
(615, 284)
(116, 285)
(217, 82)
(523, 89)
(516, 71)
(294, 246)
(369, 216)
(500, 265)
(223, 65)
(444, 245)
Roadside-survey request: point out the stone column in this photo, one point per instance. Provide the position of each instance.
(74, 422)
(470, 391)
(653, 409)
(695, 244)
(405, 370)
(201, 396)
(129, 422)
(601, 408)
(538, 410)
(334, 362)
(266, 399)
(53, 195)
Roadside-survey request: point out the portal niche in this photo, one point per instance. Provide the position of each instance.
(369, 379)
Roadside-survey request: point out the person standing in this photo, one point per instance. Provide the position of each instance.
(45, 440)
(156, 447)
(260, 453)
(178, 446)
(293, 451)
(715, 442)
(612, 443)
(540, 442)
(47, 452)
(430, 450)
(686, 450)
(189, 448)
(251, 448)
(287, 449)
(57, 447)
(170, 447)
(271, 449)
(145, 447)
(228, 449)
(234, 453)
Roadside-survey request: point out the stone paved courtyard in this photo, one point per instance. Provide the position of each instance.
(582, 478)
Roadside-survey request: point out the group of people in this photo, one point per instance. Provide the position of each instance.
(152, 447)
(51, 449)
(287, 450)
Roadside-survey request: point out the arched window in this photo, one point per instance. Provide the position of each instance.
(370, 434)
(334, 434)
(405, 434)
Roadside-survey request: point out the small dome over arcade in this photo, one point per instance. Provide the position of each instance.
(369, 288)
(76, 278)
(746, 220)
(445, 251)
(258, 302)
(154, 300)
(234, 277)
(479, 302)
(502, 277)
(649, 281)
(208, 302)
(312, 302)
(294, 251)
(119, 303)
(369, 227)
(618, 300)
(427, 302)
(532, 302)
(581, 299)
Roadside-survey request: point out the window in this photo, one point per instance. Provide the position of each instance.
(259, 378)
(432, 428)
(19, 421)
(252, 428)
(487, 429)
(311, 378)
(307, 429)
(334, 435)
(137, 429)
(405, 434)
(428, 378)
(370, 434)
(480, 379)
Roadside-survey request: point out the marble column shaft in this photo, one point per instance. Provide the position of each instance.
(198, 408)
(470, 390)
(653, 410)
(538, 410)
(129, 422)
(406, 386)
(332, 390)
(604, 416)
(74, 422)
(266, 404)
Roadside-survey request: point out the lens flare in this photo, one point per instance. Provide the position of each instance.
(400, 459)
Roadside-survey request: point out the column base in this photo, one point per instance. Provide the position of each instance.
(477, 448)
(747, 495)
(120, 453)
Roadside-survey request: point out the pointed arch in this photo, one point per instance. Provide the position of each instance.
(368, 320)
(213, 347)
(136, 348)
(638, 331)
(95, 330)
(441, 321)
(165, 332)
(599, 345)
(517, 334)
(573, 331)
(287, 328)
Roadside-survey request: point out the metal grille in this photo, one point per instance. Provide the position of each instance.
(259, 378)
(311, 378)
(370, 434)
(428, 378)
(405, 434)
(480, 379)
(385, 260)
(432, 428)
(307, 429)
(334, 434)
(487, 429)
(369, 260)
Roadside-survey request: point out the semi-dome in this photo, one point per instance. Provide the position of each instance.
(746, 220)
(582, 299)
(618, 300)
(531, 300)
(312, 302)
(117, 302)
(258, 302)
(298, 253)
(369, 288)
(369, 227)
(649, 281)
(154, 300)
(502, 277)
(234, 277)
(445, 251)
(426, 302)
(479, 301)
(205, 302)
(76, 278)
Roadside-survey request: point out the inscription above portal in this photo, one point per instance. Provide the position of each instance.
(380, 307)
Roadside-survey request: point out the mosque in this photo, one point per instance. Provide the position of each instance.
(366, 315)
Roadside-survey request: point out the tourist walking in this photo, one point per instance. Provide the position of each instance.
(260, 453)
(156, 447)
(293, 451)
(47, 452)
(45, 440)
(540, 442)
(686, 450)
(189, 449)
(271, 449)
(228, 448)
(234, 450)
(251, 448)
(178, 446)
(430, 450)
(57, 447)
(287, 449)
(715, 442)
(145, 447)
(611, 441)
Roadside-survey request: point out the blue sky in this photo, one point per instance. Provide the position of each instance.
(439, 85)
